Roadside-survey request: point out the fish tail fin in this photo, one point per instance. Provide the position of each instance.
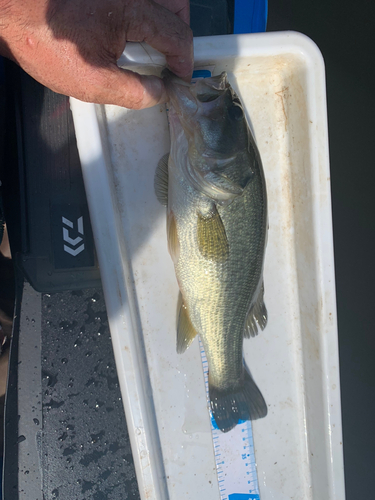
(243, 402)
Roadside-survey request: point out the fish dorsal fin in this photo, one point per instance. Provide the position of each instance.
(161, 180)
(185, 331)
(172, 236)
(257, 316)
(212, 238)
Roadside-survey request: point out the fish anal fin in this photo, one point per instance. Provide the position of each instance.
(172, 236)
(161, 180)
(257, 316)
(185, 331)
(212, 239)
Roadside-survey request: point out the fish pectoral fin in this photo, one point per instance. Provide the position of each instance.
(185, 331)
(172, 237)
(257, 316)
(212, 238)
(161, 180)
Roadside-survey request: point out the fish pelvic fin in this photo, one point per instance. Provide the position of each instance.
(212, 238)
(185, 331)
(161, 180)
(243, 402)
(257, 316)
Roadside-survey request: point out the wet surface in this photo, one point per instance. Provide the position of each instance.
(85, 450)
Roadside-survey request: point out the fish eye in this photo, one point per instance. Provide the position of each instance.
(206, 97)
(235, 112)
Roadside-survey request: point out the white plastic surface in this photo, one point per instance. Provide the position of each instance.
(298, 446)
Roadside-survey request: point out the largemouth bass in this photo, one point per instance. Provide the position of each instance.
(213, 185)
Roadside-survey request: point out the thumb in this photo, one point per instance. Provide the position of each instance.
(125, 88)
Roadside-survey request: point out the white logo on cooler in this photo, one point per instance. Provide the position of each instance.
(71, 243)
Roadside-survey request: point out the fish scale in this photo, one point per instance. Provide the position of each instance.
(210, 303)
(216, 226)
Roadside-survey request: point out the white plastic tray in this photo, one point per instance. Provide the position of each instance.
(298, 446)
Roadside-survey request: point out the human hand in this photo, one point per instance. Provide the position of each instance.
(72, 46)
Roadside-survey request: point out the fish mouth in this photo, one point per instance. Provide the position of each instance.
(172, 79)
(210, 89)
(194, 105)
(179, 95)
(186, 97)
(206, 97)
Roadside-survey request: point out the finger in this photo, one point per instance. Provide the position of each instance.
(60, 67)
(124, 88)
(168, 34)
(179, 7)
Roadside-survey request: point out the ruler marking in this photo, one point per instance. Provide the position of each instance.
(236, 452)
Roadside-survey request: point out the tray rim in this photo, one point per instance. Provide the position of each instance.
(96, 168)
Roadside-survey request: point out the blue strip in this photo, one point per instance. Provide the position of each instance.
(243, 496)
(201, 73)
(250, 16)
(213, 423)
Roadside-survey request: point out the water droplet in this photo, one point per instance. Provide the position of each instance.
(36, 421)
(64, 361)
(88, 353)
(63, 436)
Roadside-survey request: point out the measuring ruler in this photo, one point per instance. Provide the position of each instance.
(234, 455)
